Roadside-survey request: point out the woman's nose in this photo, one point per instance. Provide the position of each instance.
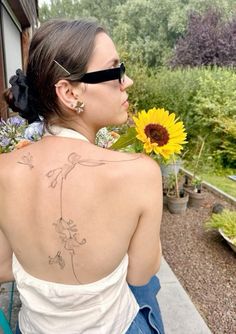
(127, 82)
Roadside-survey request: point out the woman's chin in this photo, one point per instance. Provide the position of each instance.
(123, 117)
(120, 119)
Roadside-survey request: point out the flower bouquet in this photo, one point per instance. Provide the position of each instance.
(16, 133)
(105, 138)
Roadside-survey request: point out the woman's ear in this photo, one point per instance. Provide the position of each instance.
(67, 93)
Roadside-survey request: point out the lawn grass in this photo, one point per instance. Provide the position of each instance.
(221, 182)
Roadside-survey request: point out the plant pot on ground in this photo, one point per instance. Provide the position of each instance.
(176, 198)
(195, 199)
(177, 205)
(225, 223)
(194, 189)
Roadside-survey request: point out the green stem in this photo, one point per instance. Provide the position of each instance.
(198, 158)
(176, 178)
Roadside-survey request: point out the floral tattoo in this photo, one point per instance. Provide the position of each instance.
(67, 230)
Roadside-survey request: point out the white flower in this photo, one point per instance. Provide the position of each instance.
(34, 131)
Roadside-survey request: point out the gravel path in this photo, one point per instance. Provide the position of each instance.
(204, 264)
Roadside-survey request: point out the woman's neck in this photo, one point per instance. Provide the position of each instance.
(83, 130)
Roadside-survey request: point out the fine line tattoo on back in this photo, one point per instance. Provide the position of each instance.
(27, 160)
(67, 229)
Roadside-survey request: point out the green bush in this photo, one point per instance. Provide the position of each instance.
(173, 90)
(214, 116)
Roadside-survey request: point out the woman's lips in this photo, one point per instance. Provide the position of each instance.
(125, 104)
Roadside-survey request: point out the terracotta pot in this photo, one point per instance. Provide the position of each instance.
(177, 205)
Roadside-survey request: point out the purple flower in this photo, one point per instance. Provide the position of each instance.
(2, 123)
(5, 142)
(16, 121)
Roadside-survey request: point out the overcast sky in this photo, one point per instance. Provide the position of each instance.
(42, 1)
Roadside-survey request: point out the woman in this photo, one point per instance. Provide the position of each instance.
(86, 220)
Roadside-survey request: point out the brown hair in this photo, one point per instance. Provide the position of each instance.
(70, 43)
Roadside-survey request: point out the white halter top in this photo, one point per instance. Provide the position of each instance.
(106, 306)
(65, 132)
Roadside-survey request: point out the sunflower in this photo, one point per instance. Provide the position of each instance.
(160, 132)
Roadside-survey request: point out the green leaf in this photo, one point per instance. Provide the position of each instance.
(125, 140)
(138, 146)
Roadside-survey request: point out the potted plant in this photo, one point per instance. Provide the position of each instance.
(193, 184)
(225, 223)
(176, 197)
(196, 195)
(168, 170)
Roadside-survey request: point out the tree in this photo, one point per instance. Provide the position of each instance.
(102, 10)
(59, 9)
(146, 30)
(105, 11)
(227, 44)
(208, 41)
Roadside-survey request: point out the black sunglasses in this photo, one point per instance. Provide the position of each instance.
(105, 75)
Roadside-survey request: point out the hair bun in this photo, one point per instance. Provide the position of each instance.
(20, 90)
(20, 93)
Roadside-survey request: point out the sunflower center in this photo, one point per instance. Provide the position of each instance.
(157, 134)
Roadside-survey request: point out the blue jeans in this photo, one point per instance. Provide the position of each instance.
(148, 319)
(140, 325)
(18, 329)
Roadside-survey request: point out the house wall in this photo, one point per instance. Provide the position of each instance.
(19, 18)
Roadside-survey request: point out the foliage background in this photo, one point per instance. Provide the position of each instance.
(147, 29)
(148, 34)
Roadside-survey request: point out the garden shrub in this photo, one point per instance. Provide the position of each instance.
(172, 90)
(214, 117)
(226, 126)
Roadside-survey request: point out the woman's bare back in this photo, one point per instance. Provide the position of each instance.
(69, 208)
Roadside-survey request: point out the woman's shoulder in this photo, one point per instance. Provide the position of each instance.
(5, 160)
(10, 161)
(6, 167)
(135, 165)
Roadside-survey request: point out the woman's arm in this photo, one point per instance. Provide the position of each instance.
(145, 246)
(6, 274)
